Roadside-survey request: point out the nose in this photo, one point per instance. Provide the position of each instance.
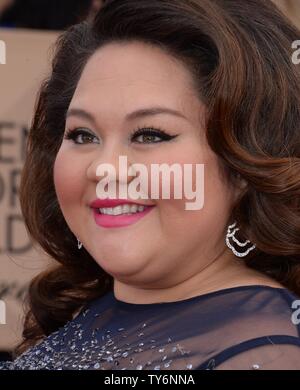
(112, 162)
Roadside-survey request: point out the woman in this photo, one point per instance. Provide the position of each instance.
(206, 82)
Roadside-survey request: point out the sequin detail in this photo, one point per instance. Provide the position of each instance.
(94, 349)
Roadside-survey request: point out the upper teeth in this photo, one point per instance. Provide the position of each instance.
(124, 209)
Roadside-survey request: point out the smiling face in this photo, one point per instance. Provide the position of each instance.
(169, 244)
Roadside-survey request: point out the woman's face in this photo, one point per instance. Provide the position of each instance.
(170, 243)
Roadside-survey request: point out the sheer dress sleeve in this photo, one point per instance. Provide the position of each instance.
(265, 357)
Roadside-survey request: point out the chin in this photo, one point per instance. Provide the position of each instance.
(121, 268)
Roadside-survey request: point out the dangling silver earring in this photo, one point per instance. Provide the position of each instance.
(232, 229)
(79, 244)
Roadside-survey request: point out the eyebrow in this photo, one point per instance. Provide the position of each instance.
(153, 111)
(141, 113)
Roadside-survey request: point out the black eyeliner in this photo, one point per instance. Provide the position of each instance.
(153, 132)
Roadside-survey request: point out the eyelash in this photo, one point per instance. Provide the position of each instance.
(148, 131)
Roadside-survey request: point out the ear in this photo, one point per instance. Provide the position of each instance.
(243, 183)
(240, 186)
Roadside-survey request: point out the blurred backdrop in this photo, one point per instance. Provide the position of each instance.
(46, 14)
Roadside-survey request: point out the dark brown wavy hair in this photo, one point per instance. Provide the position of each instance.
(239, 53)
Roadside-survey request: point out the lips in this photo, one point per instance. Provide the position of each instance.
(115, 221)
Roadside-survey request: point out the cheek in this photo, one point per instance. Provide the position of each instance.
(67, 178)
(212, 218)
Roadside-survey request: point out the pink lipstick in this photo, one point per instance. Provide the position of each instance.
(113, 221)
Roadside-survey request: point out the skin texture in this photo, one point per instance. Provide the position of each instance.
(172, 253)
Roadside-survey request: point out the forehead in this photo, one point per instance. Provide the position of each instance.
(125, 75)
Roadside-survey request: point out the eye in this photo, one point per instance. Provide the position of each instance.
(81, 136)
(150, 135)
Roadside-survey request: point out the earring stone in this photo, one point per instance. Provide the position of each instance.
(79, 244)
(230, 236)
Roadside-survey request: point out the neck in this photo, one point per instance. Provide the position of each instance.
(225, 271)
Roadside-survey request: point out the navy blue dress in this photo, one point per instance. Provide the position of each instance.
(248, 327)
